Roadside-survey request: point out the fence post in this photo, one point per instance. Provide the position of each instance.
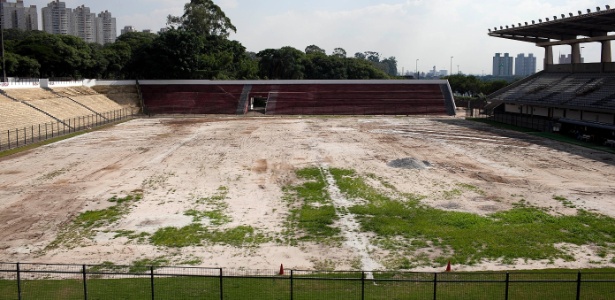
(435, 286)
(507, 285)
(85, 284)
(8, 137)
(39, 132)
(17, 136)
(221, 286)
(362, 285)
(18, 282)
(32, 134)
(151, 270)
(292, 286)
(25, 135)
(579, 286)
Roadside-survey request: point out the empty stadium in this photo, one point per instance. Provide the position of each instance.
(199, 180)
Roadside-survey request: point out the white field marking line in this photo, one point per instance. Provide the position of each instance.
(349, 225)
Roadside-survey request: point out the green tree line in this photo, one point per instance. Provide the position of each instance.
(195, 45)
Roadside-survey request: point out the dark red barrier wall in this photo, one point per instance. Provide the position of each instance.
(296, 97)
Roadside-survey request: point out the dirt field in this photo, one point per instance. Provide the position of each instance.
(175, 162)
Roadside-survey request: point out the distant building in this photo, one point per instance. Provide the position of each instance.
(16, 15)
(106, 28)
(567, 59)
(80, 22)
(525, 65)
(502, 65)
(57, 19)
(85, 24)
(127, 29)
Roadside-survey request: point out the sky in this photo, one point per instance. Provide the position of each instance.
(420, 34)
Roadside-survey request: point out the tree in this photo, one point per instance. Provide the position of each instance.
(58, 55)
(21, 66)
(313, 49)
(203, 17)
(175, 54)
(363, 69)
(339, 52)
(325, 67)
(283, 63)
(389, 66)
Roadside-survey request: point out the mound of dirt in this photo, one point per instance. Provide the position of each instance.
(409, 163)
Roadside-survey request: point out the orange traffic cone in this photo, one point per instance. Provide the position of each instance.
(448, 267)
(281, 269)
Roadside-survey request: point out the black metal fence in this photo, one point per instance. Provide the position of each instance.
(18, 137)
(43, 281)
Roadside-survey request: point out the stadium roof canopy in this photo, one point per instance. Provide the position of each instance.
(564, 29)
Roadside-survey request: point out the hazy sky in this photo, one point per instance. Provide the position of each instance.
(428, 30)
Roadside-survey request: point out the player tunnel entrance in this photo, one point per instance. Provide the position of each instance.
(258, 103)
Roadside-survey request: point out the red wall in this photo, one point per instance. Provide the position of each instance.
(293, 98)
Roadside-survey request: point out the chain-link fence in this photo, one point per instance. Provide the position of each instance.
(18, 137)
(41, 281)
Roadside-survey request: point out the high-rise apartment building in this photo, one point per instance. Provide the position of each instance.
(57, 19)
(80, 22)
(525, 65)
(107, 28)
(17, 15)
(85, 24)
(502, 65)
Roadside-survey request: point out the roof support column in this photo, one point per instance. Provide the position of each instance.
(576, 53)
(548, 56)
(606, 52)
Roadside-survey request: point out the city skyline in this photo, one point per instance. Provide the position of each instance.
(430, 31)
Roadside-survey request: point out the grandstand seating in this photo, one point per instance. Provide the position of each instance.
(30, 94)
(27, 108)
(124, 95)
(594, 91)
(312, 98)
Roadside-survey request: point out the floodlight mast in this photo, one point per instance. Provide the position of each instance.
(2, 42)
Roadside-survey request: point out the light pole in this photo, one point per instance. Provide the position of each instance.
(451, 68)
(2, 41)
(417, 69)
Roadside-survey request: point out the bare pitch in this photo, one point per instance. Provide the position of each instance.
(242, 166)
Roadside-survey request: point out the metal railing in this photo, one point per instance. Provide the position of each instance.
(19, 137)
(42, 281)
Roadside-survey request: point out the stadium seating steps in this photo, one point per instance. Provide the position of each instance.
(583, 90)
(21, 108)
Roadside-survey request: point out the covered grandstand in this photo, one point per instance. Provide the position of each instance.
(299, 97)
(577, 98)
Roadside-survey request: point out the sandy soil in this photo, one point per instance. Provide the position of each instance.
(176, 161)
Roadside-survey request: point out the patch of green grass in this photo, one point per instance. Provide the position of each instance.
(85, 224)
(460, 189)
(408, 228)
(140, 237)
(565, 202)
(454, 193)
(216, 206)
(144, 265)
(195, 235)
(312, 214)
